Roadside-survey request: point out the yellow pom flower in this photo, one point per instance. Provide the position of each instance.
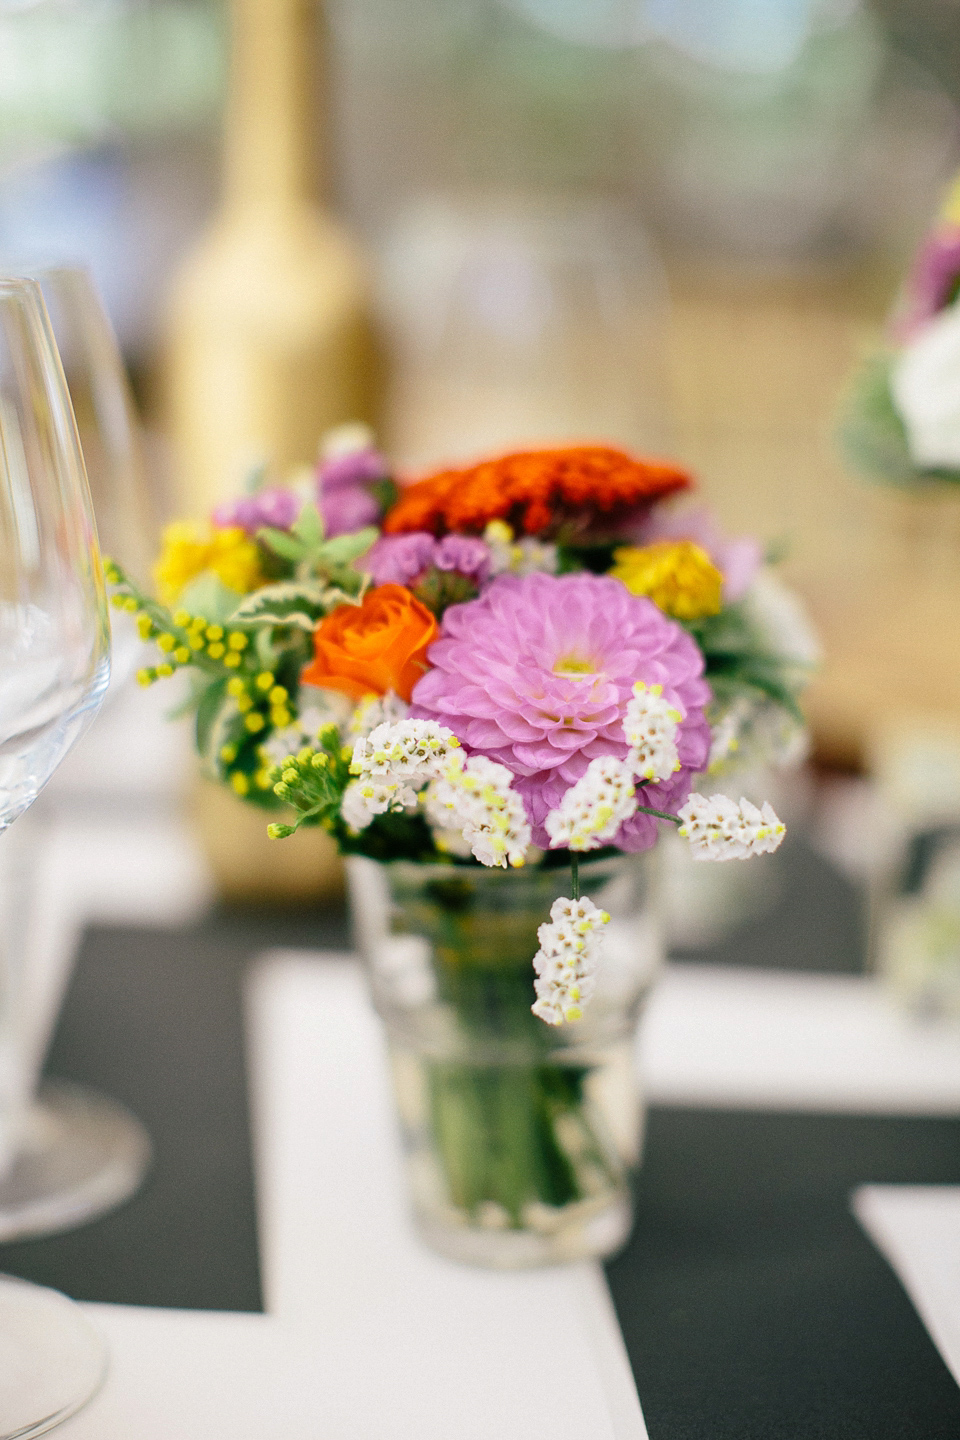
(190, 549)
(677, 575)
(950, 210)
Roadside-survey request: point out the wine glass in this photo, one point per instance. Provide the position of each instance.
(110, 436)
(66, 1153)
(128, 526)
(54, 670)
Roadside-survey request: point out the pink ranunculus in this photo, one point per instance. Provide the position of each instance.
(537, 673)
(464, 554)
(738, 560)
(275, 507)
(356, 467)
(401, 559)
(344, 497)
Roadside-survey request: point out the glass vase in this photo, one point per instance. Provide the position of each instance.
(519, 1136)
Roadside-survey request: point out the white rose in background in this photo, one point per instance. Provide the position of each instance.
(925, 383)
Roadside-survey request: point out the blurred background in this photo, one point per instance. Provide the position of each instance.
(670, 224)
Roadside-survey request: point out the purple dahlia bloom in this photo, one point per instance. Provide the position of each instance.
(274, 507)
(343, 494)
(400, 559)
(537, 673)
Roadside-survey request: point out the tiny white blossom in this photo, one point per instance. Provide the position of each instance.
(567, 960)
(650, 727)
(475, 798)
(592, 811)
(377, 710)
(517, 557)
(392, 764)
(725, 735)
(719, 829)
(363, 799)
(408, 751)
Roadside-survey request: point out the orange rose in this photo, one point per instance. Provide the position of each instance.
(371, 648)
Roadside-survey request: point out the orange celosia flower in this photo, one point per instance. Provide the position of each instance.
(371, 648)
(538, 492)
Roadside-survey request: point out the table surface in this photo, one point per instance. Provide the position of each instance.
(749, 1300)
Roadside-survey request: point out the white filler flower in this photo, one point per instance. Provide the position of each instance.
(404, 750)
(650, 727)
(392, 764)
(475, 799)
(719, 829)
(567, 960)
(592, 811)
(377, 710)
(926, 391)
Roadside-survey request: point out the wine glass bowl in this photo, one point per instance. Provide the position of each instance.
(54, 631)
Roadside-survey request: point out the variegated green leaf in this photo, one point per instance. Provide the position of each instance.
(289, 602)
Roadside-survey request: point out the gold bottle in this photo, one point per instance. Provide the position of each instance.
(269, 344)
(269, 338)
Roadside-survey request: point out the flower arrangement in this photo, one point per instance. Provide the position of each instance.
(901, 421)
(516, 663)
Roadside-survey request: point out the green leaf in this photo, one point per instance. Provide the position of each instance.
(344, 548)
(209, 597)
(308, 526)
(281, 543)
(386, 494)
(290, 602)
(209, 706)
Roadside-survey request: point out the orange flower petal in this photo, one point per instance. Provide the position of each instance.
(374, 647)
(534, 490)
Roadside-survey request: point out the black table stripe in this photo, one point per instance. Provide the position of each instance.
(751, 1302)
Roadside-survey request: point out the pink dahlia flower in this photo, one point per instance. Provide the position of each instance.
(537, 673)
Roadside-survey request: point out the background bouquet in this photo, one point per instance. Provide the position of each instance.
(902, 419)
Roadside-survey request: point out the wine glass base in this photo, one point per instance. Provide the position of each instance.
(51, 1359)
(81, 1155)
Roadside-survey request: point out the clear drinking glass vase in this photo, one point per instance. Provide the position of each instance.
(519, 1136)
(54, 670)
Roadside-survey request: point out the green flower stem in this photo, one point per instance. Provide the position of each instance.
(510, 1126)
(660, 814)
